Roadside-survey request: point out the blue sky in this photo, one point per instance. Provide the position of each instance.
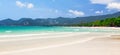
(16, 9)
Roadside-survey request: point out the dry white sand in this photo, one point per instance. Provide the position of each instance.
(75, 43)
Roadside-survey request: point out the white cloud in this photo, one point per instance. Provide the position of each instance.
(115, 6)
(110, 4)
(25, 5)
(103, 1)
(20, 4)
(30, 5)
(99, 12)
(76, 13)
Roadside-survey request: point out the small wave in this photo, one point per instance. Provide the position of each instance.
(8, 31)
(38, 34)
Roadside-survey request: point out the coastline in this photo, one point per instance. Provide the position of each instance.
(76, 43)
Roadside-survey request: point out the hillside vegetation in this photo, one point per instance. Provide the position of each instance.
(61, 21)
(110, 22)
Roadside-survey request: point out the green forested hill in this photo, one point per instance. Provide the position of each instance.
(110, 22)
(62, 21)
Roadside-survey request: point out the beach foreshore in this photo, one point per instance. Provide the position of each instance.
(64, 43)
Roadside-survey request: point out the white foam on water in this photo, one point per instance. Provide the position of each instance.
(8, 31)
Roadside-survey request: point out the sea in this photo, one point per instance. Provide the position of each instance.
(20, 30)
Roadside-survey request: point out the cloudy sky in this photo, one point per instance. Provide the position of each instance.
(16, 9)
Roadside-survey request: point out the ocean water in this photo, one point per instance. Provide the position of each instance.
(36, 29)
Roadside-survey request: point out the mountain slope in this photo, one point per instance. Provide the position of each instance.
(55, 21)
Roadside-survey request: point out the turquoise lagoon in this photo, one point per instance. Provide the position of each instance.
(39, 29)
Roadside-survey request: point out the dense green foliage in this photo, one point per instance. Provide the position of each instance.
(110, 22)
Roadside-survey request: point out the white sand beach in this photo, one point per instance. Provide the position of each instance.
(61, 43)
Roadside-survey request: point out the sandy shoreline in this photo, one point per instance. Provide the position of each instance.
(74, 44)
(113, 28)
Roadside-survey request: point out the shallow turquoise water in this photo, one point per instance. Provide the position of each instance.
(36, 29)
